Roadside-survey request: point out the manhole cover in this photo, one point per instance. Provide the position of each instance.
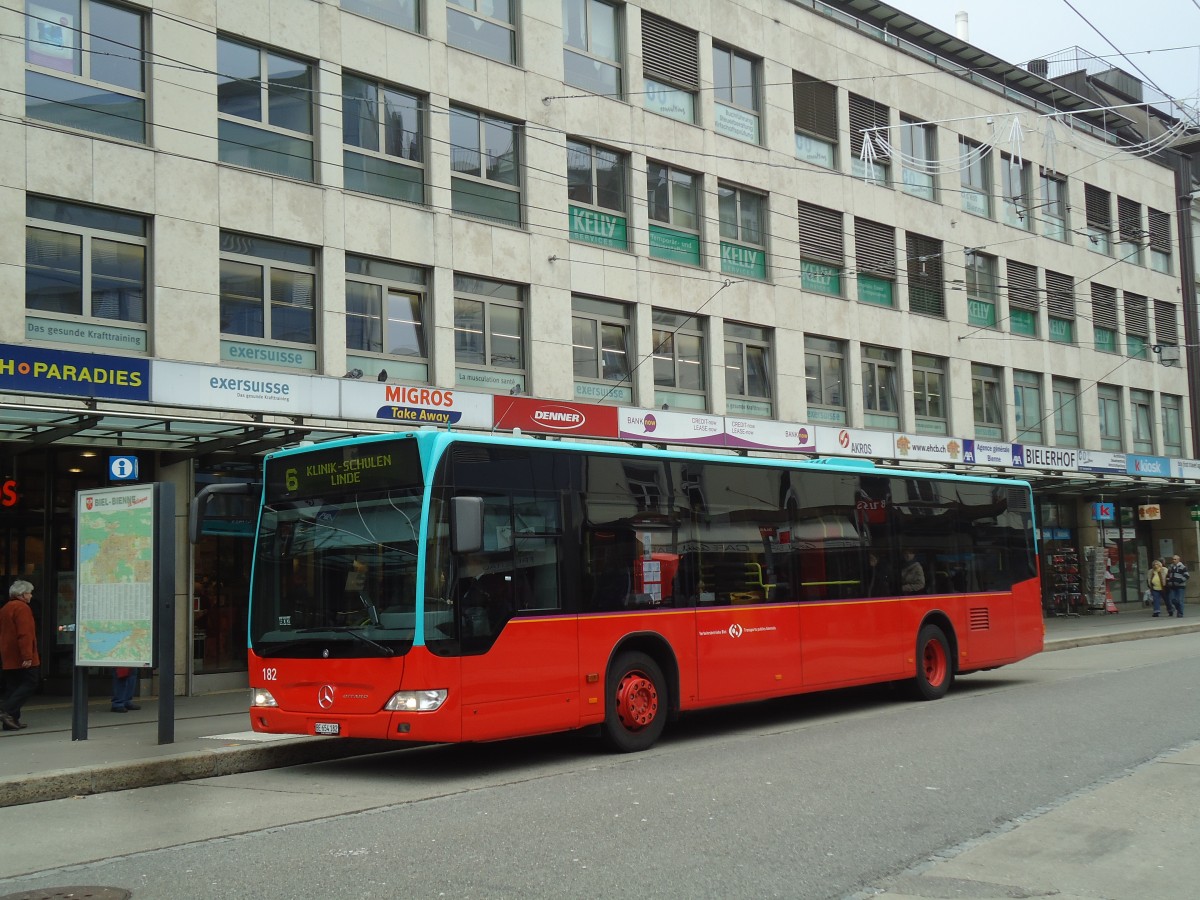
(75, 892)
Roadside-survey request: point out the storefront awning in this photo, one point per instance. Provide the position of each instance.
(1113, 487)
(180, 436)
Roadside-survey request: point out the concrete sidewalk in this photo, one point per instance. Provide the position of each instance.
(213, 736)
(1130, 838)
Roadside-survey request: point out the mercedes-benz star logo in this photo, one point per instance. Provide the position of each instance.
(325, 696)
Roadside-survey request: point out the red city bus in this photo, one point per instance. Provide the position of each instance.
(436, 586)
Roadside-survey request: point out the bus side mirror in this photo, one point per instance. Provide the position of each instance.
(200, 503)
(466, 524)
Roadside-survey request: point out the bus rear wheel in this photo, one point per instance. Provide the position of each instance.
(636, 706)
(935, 667)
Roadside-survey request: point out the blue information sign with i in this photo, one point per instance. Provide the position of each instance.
(123, 468)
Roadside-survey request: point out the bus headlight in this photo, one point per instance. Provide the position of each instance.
(261, 697)
(416, 701)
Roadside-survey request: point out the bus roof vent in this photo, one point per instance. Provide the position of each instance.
(1018, 500)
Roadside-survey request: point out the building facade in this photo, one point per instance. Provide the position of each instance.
(773, 227)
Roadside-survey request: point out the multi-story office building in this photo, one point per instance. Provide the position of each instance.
(761, 227)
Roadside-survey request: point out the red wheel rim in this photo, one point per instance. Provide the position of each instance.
(637, 701)
(934, 662)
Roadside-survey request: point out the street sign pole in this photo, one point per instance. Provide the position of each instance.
(164, 589)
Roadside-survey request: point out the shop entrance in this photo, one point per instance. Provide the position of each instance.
(37, 542)
(221, 573)
(219, 603)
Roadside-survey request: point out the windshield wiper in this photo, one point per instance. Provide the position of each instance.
(347, 629)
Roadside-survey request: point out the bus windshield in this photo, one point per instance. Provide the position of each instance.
(335, 574)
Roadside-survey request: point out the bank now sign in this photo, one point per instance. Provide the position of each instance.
(553, 416)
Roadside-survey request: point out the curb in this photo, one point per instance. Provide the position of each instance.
(189, 766)
(1089, 640)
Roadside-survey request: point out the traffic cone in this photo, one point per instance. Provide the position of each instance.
(1109, 605)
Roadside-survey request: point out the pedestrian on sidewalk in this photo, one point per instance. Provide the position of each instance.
(18, 654)
(1177, 579)
(124, 686)
(1156, 581)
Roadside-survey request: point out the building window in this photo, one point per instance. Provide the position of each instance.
(268, 295)
(1098, 210)
(86, 262)
(868, 138)
(273, 91)
(1066, 412)
(975, 163)
(1172, 424)
(929, 394)
(485, 158)
(825, 379)
(86, 67)
(981, 289)
(1027, 403)
(1060, 304)
(386, 315)
(742, 215)
(1160, 241)
(822, 249)
(736, 94)
(592, 46)
(987, 399)
(673, 198)
(1054, 205)
(926, 291)
(1014, 187)
(596, 179)
(814, 108)
(918, 158)
(881, 395)
(485, 27)
(405, 14)
(1129, 230)
(1137, 326)
(748, 370)
(670, 68)
(489, 334)
(679, 361)
(1104, 317)
(600, 348)
(1023, 305)
(1141, 407)
(875, 253)
(384, 126)
(1166, 331)
(1108, 398)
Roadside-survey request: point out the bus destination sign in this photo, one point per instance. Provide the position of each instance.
(349, 469)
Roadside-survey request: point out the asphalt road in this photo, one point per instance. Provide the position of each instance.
(815, 797)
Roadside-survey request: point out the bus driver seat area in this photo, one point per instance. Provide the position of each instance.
(487, 603)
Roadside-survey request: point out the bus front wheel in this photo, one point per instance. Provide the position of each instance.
(935, 666)
(636, 706)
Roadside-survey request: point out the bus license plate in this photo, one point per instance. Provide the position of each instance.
(328, 728)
